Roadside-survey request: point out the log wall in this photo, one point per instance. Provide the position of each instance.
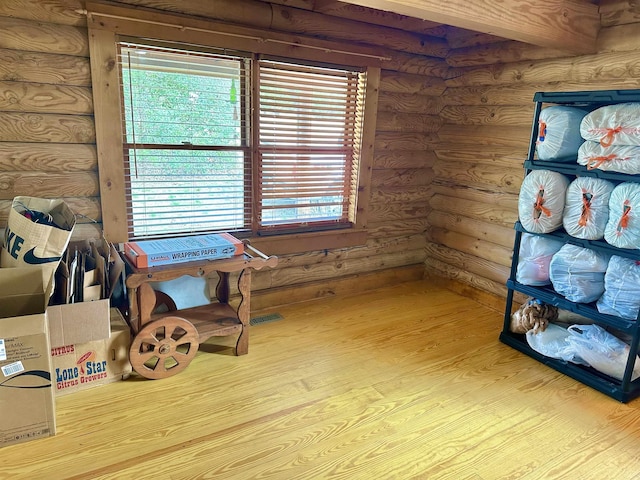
(47, 131)
(454, 119)
(487, 110)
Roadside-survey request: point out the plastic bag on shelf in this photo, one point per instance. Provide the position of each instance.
(577, 273)
(534, 258)
(559, 133)
(553, 342)
(601, 350)
(617, 124)
(541, 200)
(621, 295)
(586, 209)
(615, 158)
(623, 227)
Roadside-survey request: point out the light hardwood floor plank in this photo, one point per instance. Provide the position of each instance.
(404, 382)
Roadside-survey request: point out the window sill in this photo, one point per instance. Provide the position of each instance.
(308, 242)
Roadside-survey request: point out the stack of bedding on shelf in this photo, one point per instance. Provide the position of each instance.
(589, 208)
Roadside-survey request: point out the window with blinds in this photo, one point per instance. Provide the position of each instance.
(206, 152)
(308, 120)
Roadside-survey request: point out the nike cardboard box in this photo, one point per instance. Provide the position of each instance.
(27, 408)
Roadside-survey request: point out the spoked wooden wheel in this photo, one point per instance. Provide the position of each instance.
(164, 347)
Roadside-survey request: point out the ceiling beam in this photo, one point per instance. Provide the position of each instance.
(572, 25)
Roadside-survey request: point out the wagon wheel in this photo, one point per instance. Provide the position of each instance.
(164, 347)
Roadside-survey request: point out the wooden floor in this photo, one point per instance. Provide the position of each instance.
(400, 383)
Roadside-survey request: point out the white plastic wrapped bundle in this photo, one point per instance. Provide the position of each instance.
(586, 208)
(623, 226)
(615, 158)
(621, 295)
(554, 342)
(601, 350)
(578, 273)
(534, 258)
(559, 133)
(613, 125)
(541, 201)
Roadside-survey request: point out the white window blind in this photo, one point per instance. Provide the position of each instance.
(194, 162)
(308, 131)
(186, 144)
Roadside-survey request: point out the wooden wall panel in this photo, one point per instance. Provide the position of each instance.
(454, 116)
(45, 98)
(48, 134)
(500, 52)
(300, 21)
(488, 109)
(398, 82)
(52, 69)
(52, 185)
(619, 12)
(18, 34)
(33, 127)
(87, 209)
(63, 12)
(584, 69)
(43, 157)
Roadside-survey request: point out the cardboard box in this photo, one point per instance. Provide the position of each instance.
(75, 323)
(27, 404)
(151, 253)
(85, 365)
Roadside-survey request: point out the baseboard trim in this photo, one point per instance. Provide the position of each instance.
(352, 284)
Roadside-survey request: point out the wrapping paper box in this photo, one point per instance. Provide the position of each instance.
(151, 253)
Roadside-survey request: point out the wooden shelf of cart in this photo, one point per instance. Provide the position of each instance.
(165, 343)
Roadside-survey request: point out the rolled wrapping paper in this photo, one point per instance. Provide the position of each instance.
(617, 124)
(577, 273)
(559, 133)
(541, 201)
(534, 258)
(586, 209)
(614, 158)
(621, 295)
(623, 227)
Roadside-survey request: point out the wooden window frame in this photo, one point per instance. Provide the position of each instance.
(106, 23)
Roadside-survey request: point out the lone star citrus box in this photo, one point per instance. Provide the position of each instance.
(167, 251)
(84, 365)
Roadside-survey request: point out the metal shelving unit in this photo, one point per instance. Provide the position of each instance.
(623, 390)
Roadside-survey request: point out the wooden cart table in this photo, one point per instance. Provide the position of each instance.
(165, 343)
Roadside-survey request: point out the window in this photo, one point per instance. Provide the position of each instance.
(186, 142)
(188, 133)
(204, 127)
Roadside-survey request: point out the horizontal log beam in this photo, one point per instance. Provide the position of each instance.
(44, 68)
(44, 157)
(272, 297)
(45, 98)
(50, 128)
(87, 210)
(27, 35)
(399, 82)
(468, 263)
(499, 215)
(572, 24)
(472, 227)
(50, 185)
